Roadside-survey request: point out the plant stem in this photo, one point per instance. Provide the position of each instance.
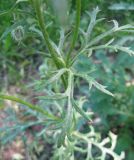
(31, 106)
(37, 6)
(76, 30)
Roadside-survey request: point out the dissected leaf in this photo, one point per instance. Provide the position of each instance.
(57, 75)
(100, 87)
(81, 111)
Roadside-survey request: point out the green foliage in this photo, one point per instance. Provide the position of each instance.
(116, 112)
(69, 65)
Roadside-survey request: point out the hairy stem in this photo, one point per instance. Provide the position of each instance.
(40, 18)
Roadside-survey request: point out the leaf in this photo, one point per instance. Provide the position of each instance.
(114, 47)
(56, 48)
(125, 49)
(100, 87)
(110, 32)
(37, 31)
(57, 75)
(94, 83)
(81, 112)
(61, 139)
(92, 22)
(113, 139)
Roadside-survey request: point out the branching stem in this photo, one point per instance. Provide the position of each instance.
(40, 18)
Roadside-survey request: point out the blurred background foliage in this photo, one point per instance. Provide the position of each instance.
(22, 62)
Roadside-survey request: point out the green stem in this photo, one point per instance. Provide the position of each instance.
(76, 30)
(31, 106)
(37, 6)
